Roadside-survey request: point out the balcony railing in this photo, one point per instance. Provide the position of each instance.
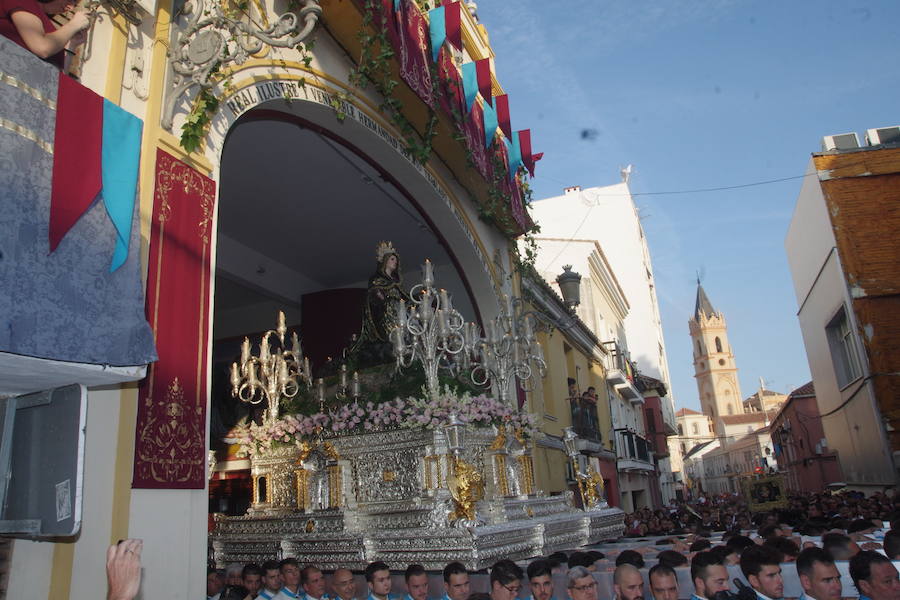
(584, 419)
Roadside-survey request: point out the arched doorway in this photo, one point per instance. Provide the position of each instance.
(301, 209)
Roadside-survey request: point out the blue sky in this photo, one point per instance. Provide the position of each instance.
(701, 94)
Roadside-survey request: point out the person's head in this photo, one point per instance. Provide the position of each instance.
(580, 559)
(233, 574)
(875, 576)
(540, 579)
(506, 580)
(663, 582)
(818, 575)
(708, 574)
(313, 581)
(770, 530)
(271, 576)
(761, 565)
(558, 558)
(786, 546)
(251, 578)
(892, 544)
(861, 526)
(628, 583)
(343, 584)
(839, 546)
(581, 584)
(739, 543)
(215, 581)
(56, 7)
(290, 573)
(630, 557)
(728, 555)
(378, 576)
(594, 556)
(671, 558)
(456, 581)
(416, 582)
(700, 545)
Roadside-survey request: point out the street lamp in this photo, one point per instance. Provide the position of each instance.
(570, 286)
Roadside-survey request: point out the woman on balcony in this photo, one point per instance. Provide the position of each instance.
(27, 23)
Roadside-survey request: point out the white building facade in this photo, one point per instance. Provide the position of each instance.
(574, 226)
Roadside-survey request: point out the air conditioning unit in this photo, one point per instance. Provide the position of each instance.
(841, 141)
(882, 135)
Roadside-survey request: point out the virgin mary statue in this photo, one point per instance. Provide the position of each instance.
(383, 295)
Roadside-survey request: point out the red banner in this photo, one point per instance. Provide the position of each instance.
(483, 72)
(451, 85)
(170, 441)
(474, 130)
(510, 188)
(453, 23)
(415, 52)
(503, 120)
(76, 156)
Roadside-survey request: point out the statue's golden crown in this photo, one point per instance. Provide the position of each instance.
(383, 249)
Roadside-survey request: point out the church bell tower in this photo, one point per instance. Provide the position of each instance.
(714, 367)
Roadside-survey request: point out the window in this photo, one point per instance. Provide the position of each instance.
(718, 345)
(694, 429)
(699, 348)
(680, 429)
(730, 409)
(843, 349)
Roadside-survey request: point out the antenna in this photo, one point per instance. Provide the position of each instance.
(626, 172)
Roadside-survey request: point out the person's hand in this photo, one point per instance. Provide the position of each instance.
(80, 20)
(123, 569)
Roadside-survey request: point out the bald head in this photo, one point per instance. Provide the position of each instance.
(628, 582)
(343, 584)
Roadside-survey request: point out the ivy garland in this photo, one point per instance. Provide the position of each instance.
(374, 68)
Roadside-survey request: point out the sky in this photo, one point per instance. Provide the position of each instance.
(701, 94)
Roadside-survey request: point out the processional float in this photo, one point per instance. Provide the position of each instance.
(429, 480)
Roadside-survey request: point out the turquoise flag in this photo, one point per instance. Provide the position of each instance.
(120, 155)
(490, 124)
(470, 84)
(515, 155)
(438, 26)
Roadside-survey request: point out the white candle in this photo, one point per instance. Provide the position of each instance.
(355, 384)
(425, 306)
(429, 273)
(344, 376)
(245, 350)
(403, 314)
(445, 300)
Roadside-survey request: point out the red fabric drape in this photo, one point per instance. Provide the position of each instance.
(473, 126)
(503, 115)
(415, 53)
(453, 23)
(170, 441)
(77, 146)
(483, 73)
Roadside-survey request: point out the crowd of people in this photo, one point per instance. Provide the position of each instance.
(815, 533)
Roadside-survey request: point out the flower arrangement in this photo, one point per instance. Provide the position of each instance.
(412, 413)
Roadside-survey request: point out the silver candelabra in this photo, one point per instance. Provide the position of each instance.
(432, 331)
(507, 351)
(275, 374)
(429, 330)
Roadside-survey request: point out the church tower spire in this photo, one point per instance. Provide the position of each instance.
(714, 366)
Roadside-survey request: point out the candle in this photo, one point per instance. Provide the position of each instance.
(509, 304)
(442, 322)
(425, 306)
(355, 384)
(295, 345)
(320, 389)
(283, 376)
(344, 376)
(539, 350)
(245, 350)
(282, 328)
(529, 334)
(252, 381)
(402, 314)
(445, 300)
(264, 351)
(429, 274)
(307, 372)
(397, 339)
(235, 376)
